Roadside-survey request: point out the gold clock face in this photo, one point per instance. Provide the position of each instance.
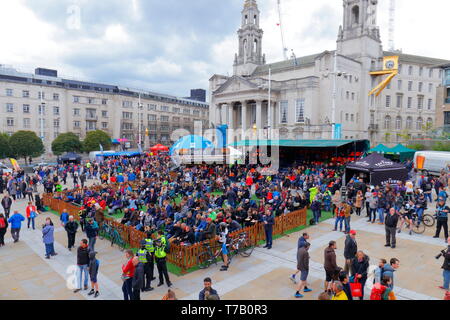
(390, 64)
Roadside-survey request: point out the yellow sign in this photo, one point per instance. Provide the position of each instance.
(390, 68)
(14, 164)
(390, 63)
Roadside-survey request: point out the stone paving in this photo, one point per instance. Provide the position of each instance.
(26, 274)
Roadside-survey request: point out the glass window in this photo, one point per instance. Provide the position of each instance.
(430, 104)
(55, 97)
(410, 85)
(420, 71)
(410, 70)
(76, 99)
(410, 102)
(399, 101)
(9, 107)
(127, 104)
(26, 108)
(151, 117)
(300, 111)
(388, 101)
(420, 86)
(25, 94)
(104, 125)
(76, 124)
(41, 109)
(151, 107)
(76, 112)
(56, 111)
(26, 122)
(10, 122)
(283, 111)
(104, 101)
(399, 84)
(409, 122)
(419, 124)
(9, 92)
(165, 118)
(127, 115)
(56, 123)
(398, 123)
(420, 102)
(387, 122)
(105, 114)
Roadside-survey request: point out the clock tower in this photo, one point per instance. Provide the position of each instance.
(250, 41)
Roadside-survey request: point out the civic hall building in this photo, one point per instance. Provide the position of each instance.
(301, 89)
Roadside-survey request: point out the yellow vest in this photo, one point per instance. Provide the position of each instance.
(142, 255)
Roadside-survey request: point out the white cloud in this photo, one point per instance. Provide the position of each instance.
(116, 33)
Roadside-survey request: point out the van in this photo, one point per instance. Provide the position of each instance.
(432, 162)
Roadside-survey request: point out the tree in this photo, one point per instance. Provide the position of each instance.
(66, 142)
(26, 144)
(96, 138)
(5, 150)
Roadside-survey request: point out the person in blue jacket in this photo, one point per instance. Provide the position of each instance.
(269, 221)
(64, 217)
(48, 238)
(16, 224)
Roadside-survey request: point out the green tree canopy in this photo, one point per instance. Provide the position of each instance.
(5, 150)
(66, 142)
(94, 139)
(25, 144)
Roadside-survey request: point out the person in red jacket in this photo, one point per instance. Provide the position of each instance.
(127, 275)
(30, 217)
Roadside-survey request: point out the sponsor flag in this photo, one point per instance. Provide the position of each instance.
(14, 164)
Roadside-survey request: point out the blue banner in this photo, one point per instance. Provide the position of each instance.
(337, 131)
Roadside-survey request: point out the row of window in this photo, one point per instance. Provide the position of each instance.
(11, 122)
(26, 94)
(420, 86)
(88, 100)
(412, 71)
(409, 123)
(299, 111)
(399, 102)
(163, 108)
(26, 108)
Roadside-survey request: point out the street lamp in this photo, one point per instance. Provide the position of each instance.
(141, 121)
(42, 123)
(336, 74)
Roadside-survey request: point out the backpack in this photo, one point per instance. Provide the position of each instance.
(2, 223)
(377, 292)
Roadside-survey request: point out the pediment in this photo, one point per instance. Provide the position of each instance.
(236, 84)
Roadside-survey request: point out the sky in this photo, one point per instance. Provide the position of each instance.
(172, 46)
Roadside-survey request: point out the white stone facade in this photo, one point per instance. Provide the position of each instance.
(302, 88)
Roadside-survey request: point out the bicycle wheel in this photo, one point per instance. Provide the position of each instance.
(428, 220)
(246, 248)
(204, 260)
(418, 228)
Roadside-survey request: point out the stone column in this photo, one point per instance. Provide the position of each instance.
(244, 118)
(230, 116)
(259, 124)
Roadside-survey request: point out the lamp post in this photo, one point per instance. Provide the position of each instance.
(335, 74)
(41, 122)
(141, 120)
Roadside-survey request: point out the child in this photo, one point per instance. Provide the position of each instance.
(94, 264)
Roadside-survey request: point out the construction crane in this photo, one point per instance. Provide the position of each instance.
(285, 49)
(392, 25)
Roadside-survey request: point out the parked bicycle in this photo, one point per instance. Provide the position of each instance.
(111, 233)
(240, 246)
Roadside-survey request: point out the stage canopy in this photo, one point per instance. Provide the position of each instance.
(402, 152)
(191, 142)
(70, 157)
(376, 170)
(381, 148)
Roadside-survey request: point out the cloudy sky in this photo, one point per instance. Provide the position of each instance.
(172, 46)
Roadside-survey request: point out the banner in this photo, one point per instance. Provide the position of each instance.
(337, 131)
(14, 164)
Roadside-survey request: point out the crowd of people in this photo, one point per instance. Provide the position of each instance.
(190, 204)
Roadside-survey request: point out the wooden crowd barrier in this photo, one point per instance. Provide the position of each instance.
(185, 257)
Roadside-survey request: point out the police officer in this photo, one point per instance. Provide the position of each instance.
(442, 212)
(160, 255)
(145, 255)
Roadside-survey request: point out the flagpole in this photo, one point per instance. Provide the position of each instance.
(269, 106)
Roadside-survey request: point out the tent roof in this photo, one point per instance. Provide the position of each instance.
(399, 149)
(70, 155)
(381, 148)
(191, 142)
(293, 143)
(374, 162)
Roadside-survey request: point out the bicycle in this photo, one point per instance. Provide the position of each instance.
(243, 245)
(208, 257)
(111, 233)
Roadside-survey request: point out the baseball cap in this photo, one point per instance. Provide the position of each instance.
(352, 232)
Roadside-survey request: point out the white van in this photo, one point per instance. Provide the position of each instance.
(432, 162)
